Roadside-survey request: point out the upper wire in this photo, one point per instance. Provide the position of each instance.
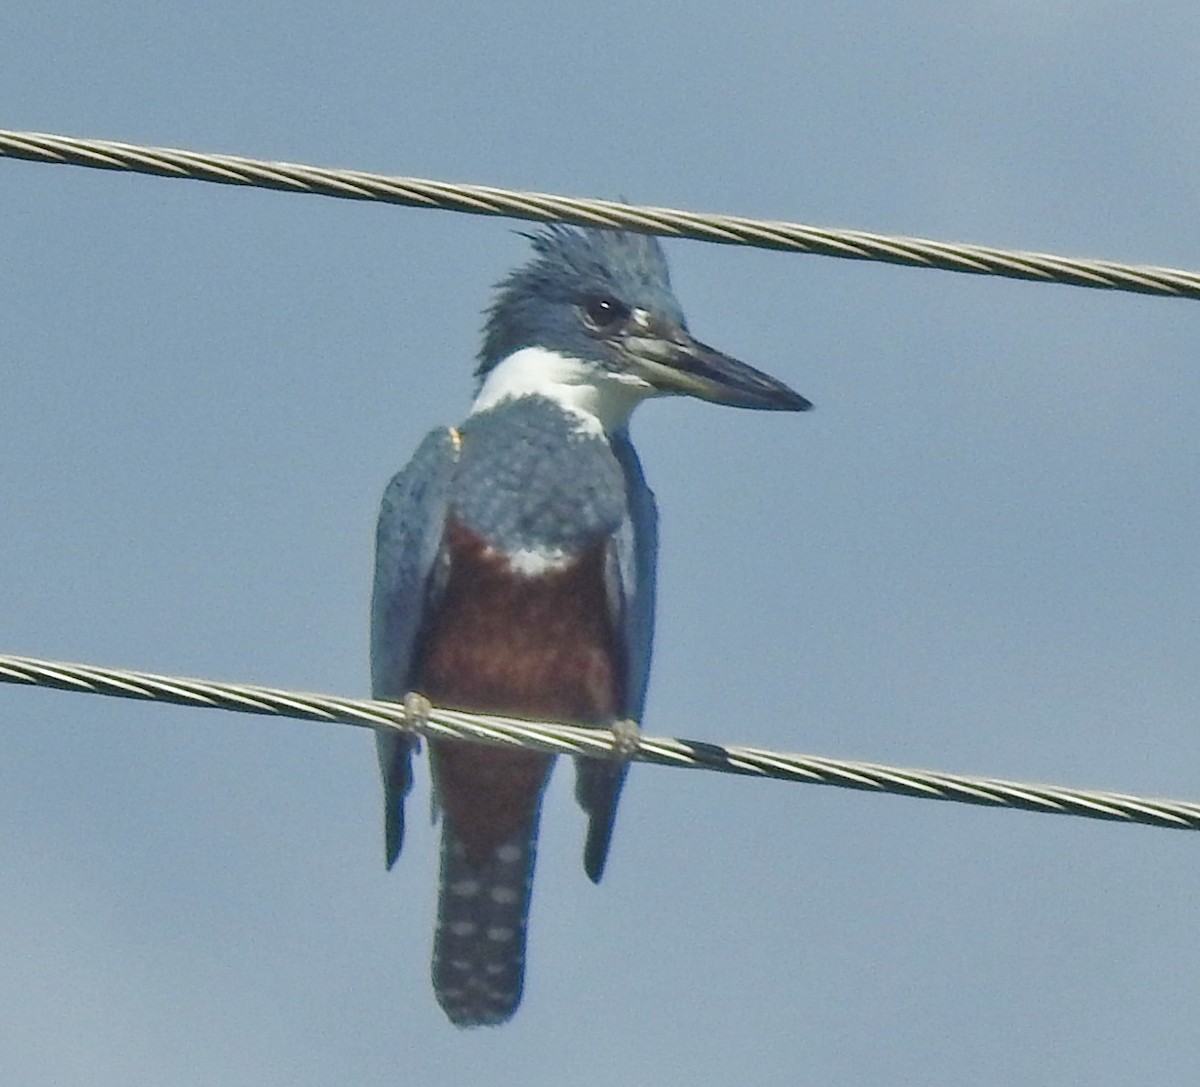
(547, 207)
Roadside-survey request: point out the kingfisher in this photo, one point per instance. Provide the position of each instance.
(514, 575)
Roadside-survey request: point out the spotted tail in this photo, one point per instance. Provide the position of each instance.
(479, 949)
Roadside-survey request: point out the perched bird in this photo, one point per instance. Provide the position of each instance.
(515, 562)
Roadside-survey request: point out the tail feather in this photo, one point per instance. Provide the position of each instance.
(395, 762)
(597, 788)
(479, 948)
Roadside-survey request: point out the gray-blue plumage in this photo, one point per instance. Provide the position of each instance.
(538, 304)
(407, 541)
(528, 477)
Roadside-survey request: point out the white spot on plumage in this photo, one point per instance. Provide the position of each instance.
(509, 853)
(462, 928)
(465, 888)
(600, 399)
(503, 896)
(535, 561)
(500, 933)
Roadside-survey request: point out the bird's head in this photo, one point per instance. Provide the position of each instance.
(594, 312)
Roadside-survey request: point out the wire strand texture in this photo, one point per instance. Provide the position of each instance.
(571, 740)
(546, 207)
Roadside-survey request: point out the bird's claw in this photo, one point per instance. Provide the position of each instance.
(417, 709)
(627, 735)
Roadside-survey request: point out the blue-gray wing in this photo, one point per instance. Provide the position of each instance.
(407, 547)
(633, 556)
(635, 549)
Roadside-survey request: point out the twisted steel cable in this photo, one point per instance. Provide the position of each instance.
(571, 740)
(546, 207)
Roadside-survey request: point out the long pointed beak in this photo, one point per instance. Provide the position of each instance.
(676, 362)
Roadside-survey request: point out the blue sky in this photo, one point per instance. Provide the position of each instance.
(978, 553)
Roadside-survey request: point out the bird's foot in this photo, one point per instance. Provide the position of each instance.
(417, 709)
(627, 735)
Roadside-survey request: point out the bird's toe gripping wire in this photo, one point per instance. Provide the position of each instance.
(627, 737)
(417, 709)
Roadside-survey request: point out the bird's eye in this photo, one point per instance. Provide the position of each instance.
(603, 312)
